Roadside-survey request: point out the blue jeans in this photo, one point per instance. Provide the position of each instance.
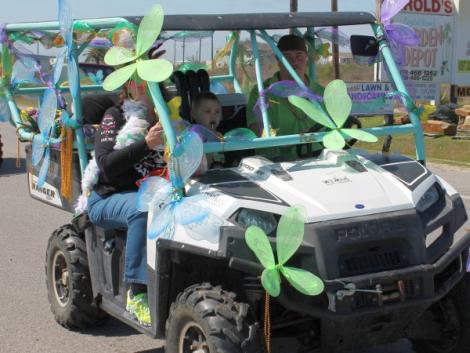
(117, 211)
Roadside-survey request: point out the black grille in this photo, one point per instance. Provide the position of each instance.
(371, 261)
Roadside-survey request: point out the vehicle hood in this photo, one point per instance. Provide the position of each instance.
(336, 185)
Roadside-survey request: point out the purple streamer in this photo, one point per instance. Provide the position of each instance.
(399, 35)
(204, 133)
(283, 89)
(390, 8)
(3, 33)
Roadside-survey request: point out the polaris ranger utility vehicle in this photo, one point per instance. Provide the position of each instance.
(382, 232)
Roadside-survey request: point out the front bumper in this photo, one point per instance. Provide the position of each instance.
(413, 286)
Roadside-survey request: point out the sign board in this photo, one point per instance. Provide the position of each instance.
(363, 95)
(430, 7)
(47, 192)
(462, 92)
(461, 64)
(429, 64)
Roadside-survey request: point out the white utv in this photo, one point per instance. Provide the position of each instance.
(382, 231)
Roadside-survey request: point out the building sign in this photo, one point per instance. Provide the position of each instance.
(462, 92)
(429, 64)
(367, 98)
(461, 64)
(430, 7)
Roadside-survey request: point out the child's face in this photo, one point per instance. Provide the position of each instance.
(208, 114)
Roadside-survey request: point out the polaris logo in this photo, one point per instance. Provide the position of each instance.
(336, 180)
(373, 229)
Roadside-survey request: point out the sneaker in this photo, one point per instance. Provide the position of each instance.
(138, 306)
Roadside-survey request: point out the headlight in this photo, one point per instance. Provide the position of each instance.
(266, 221)
(430, 197)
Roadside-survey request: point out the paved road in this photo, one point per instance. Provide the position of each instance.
(26, 324)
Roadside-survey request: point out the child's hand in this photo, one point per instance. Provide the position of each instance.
(154, 137)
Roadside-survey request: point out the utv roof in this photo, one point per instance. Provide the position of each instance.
(227, 22)
(251, 21)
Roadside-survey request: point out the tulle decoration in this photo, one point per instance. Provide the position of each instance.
(338, 104)
(289, 236)
(283, 89)
(97, 77)
(333, 35)
(164, 199)
(154, 70)
(205, 134)
(25, 70)
(51, 99)
(240, 134)
(399, 35)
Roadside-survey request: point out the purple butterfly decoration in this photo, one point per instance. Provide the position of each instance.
(399, 35)
(283, 89)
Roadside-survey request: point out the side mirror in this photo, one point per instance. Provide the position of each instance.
(364, 46)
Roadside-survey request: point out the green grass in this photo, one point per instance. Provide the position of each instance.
(440, 150)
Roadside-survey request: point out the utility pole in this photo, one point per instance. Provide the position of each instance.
(294, 6)
(334, 8)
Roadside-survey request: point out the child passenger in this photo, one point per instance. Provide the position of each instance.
(206, 111)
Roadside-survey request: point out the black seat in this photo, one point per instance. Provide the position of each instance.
(188, 86)
(203, 80)
(94, 106)
(179, 79)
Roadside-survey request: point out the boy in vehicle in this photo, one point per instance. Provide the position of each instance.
(284, 118)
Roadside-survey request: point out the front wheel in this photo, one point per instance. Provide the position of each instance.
(207, 319)
(447, 323)
(68, 280)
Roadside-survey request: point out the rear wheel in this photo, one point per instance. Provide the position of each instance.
(68, 280)
(447, 323)
(207, 319)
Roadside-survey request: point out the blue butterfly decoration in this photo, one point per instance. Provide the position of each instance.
(5, 114)
(97, 77)
(166, 204)
(24, 70)
(51, 98)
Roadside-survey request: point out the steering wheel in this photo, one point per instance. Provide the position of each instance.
(352, 123)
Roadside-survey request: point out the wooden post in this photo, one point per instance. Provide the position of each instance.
(334, 8)
(294, 6)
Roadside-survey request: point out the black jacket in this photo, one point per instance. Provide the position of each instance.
(120, 169)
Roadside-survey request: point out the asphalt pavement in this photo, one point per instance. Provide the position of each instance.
(26, 323)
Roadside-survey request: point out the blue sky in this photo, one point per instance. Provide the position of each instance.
(41, 10)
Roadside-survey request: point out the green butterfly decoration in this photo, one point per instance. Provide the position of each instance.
(339, 105)
(155, 70)
(289, 236)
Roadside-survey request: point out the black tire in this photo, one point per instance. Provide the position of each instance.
(215, 316)
(453, 317)
(68, 281)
